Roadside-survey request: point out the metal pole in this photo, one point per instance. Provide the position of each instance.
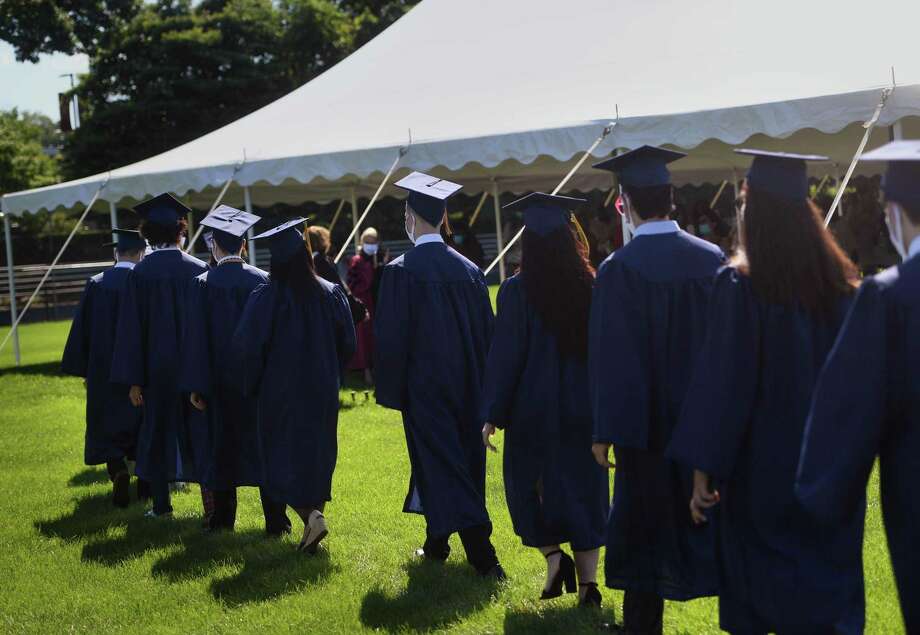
(837, 183)
(251, 246)
(897, 130)
(113, 215)
(354, 216)
(11, 279)
(499, 241)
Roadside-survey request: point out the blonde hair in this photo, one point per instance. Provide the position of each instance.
(319, 238)
(370, 232)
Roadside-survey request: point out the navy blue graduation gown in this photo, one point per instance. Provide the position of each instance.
(742, 423)
(148, 353)
(432, 326)
(228, 454)
(556, 491)
(647, 324)
(867, 404)
(290, 352)
(112, 422)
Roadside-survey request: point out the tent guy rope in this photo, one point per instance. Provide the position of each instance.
(402, 152)
(869, 126)
(54, 262)
(607, 130)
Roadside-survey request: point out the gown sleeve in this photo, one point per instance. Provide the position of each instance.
(75, 360)
(252, 337)
(848, 410)
(507, 356)
(723, 389)
(196, 367)
(346, 341)
(618, 372)
(391, 333)
(129, 358)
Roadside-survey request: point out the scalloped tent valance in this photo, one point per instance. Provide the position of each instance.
(514, 90)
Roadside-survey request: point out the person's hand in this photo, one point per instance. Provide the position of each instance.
(136, 395)
(601, 453)
(198, 401)
(487, 431)
(704, 497)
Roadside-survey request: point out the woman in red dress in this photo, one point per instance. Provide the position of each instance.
(362, 279)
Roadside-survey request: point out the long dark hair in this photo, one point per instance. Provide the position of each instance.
(557, 279)
(790, 257)
(297, 273)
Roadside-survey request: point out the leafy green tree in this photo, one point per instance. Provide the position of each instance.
(23, 164)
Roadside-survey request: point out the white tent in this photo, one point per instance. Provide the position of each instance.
(511, 91)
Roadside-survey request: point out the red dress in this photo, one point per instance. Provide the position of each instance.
(361, 282)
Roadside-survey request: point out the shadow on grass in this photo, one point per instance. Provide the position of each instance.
(45, 368)
(94, 516)
(268, 568)
(557, 619)
(436, 596)
(87, 477)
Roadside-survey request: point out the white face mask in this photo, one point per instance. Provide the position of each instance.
(895, 233)
(369, 249)
(410, 218)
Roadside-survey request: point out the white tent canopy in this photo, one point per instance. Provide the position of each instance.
(515, 90)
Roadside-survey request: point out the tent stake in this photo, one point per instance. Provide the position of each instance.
(11, 278)
(54, 262)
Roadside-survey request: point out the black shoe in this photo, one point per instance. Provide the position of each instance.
(496, 573)
(592, 597)
(121, 489)
(565, 575)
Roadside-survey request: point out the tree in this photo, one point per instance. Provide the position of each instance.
(373, 16)
(62, 26)
(23, 164)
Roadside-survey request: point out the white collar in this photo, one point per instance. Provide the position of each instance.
(233, 257)
(914, 248)
(653, 228)
(428, 238)
(164, 248)
(125, 264)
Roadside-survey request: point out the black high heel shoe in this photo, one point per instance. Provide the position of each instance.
(565, 575)
(592, 597)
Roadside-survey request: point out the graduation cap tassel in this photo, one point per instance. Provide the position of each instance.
(402, 152)
(54, 262)
(607, 130)
(869, 126)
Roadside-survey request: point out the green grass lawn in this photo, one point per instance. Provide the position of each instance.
(69, 561)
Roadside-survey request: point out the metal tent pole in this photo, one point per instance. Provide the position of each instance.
(354, 218)
(113, 215)
(500, 243)
(11, 278)
(251, 246)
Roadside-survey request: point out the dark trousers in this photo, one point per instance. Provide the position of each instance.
(643, 613)
(114, 468)
(159, 490)
(223, 514)
(480, 552)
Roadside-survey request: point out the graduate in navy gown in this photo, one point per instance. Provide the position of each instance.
(112, 422)
(773, 318)
(290, 349)
(647, 325)
(230, 456)
(536, 390)
(148, 348)
(867, 402)
(433, 324)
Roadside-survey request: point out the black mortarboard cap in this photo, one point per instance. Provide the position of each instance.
(545, 213)
(162, 210)
(901, 182)
(127, 240)
(782, 174)
(285, 240)
(646, 166)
